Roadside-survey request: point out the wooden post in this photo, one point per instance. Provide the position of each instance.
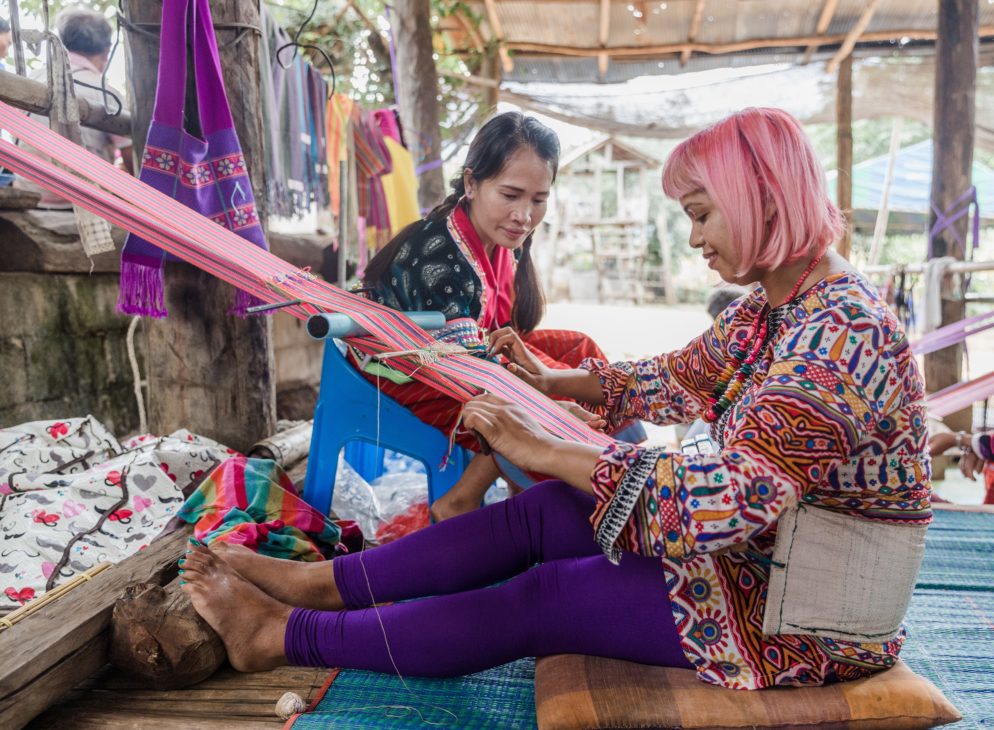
(843, 150)
(15, 27)
(208, 371)
(417, 82)
(491, 70)
(883, 212)
(956, 52)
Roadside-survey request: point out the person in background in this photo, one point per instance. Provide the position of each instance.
(695, 439)
(5, 40)
(87, 36)
(976, 458)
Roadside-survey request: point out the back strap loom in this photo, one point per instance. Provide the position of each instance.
(123, 200)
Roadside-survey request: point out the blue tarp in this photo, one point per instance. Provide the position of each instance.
(911, 186)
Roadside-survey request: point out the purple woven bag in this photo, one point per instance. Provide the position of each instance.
(208, 175)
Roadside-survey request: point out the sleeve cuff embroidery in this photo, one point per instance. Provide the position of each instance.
(626, 497)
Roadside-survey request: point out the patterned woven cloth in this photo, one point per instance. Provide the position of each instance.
(502, 697)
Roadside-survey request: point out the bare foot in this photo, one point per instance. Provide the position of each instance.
(251, 624)
(307, 585)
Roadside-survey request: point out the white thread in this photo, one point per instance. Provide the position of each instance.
(136, 376)
(379, 619)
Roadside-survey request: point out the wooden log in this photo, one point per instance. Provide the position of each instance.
(158, 637)
(952, 162)
(36, 654)
(32, 96)
(209, 372)
(228, 699)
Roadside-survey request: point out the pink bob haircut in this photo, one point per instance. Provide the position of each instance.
(753, 162)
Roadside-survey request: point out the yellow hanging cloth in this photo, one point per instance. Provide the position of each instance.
(400, 187)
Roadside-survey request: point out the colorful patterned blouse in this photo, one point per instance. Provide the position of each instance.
(834, 417)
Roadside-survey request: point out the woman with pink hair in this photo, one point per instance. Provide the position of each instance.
(787, 557)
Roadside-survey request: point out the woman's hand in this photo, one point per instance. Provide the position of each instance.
(514, 434)
(509, 430)
(598, 423)
(970, 464)
(523, 363)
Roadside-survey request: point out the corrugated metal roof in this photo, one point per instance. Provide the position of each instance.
(634, 24)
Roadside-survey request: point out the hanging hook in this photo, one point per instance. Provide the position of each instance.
(295, 44)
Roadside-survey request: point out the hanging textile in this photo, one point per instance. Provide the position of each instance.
(207, 175)
(131, 204)
(372, 161)
(295, 134)
(400, 186)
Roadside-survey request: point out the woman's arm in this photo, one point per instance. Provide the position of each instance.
(807, 417)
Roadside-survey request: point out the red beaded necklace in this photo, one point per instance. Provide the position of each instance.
(741, 366)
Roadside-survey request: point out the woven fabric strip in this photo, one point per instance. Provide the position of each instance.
(953, 333)
(961, 395)
(624, 501)
(126, 202)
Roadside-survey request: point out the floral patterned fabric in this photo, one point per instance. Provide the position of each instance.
(72, 497)
(833, 417)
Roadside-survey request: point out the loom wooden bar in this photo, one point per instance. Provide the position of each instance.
(956, 56)
(32, 96)
(843, 149)
(208, 371)
(35, 665)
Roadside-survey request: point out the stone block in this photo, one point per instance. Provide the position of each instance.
(30, 304)
(91, 304)
(51, 369)
(13, 373)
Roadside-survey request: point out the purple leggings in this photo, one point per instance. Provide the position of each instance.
(559, 595)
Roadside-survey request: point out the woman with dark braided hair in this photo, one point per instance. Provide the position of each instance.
(470, 258)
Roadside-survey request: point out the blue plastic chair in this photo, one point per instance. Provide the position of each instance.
(346, 412)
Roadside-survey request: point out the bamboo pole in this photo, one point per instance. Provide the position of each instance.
(650, 51)
(843, 150)
(883, 212)
(845, 50)
(824, 20)
(8, 621)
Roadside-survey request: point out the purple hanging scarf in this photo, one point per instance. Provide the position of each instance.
(208, 175)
